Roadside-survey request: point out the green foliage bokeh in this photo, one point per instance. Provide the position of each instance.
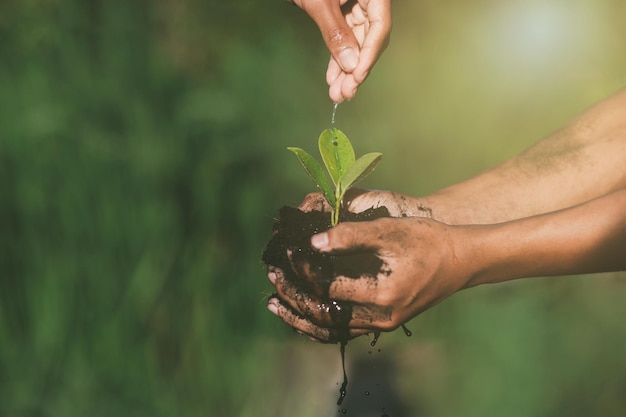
(142, 160)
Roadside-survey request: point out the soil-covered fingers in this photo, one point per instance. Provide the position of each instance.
(302, 325)
(370, 304)
(332, 313)
(398, 205)
(314, 202)
(309, 306)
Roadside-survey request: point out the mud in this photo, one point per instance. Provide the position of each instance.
(292, 235)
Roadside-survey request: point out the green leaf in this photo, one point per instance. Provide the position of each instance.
(359, 170)
(316, 172)
(337, 153)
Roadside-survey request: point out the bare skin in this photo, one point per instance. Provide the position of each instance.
(558, 208)
(356, 33)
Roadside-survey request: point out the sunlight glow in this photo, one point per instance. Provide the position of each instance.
(538, 31)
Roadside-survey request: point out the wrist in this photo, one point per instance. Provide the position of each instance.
(491, 254)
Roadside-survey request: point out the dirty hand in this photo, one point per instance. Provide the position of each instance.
(356, 33)
(358, 200)
(422, 264)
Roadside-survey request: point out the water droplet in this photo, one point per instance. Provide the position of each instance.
(376, 336)
(367, 393)
(407, 331)
(332, 120)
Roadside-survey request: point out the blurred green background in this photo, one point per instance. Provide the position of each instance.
(142, 161)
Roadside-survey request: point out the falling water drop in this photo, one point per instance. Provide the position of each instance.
(407, 331)
(332, 120)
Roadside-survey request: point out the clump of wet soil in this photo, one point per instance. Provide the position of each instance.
(292, 238)
(292, 234)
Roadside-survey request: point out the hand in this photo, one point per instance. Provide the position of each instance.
(358, 200)
(356, 33)
(422, 264)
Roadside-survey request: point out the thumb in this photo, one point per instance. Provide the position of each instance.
(336, 33)
(346, 237)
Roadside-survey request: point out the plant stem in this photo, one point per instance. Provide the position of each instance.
(335, 214)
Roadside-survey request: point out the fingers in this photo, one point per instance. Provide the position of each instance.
(341, 85)
(310, 307)
(301, 324)
(306, 311)
(376, 38)
(314, 202)
(355, 37)
(337, 35)
(333, 72)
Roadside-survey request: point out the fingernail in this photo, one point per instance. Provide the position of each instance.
(319, 241)
(272, 307)
(348, 59)
(272, 277)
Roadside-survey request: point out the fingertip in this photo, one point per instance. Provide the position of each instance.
(334, 90)
(349, 87)
(335, 98)
(272, 306)
(319, 241)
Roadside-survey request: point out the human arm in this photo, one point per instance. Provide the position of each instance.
(579, 166)
(579, 162)
(425, 261)
(356, 34)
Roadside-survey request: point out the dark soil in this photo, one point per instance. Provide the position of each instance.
(293, 231)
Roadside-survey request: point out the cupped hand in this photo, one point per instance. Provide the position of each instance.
(356, 33)
(422, 264)
(357, 200)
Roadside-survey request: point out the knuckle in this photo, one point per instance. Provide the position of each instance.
(338, 36)
(313, 202)
(348, 236)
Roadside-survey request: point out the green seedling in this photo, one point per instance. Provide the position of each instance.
(342, 166)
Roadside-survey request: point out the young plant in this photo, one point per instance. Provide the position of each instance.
(342, 166)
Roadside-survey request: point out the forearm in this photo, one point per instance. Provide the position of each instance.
(587, 238)
(582, 161)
